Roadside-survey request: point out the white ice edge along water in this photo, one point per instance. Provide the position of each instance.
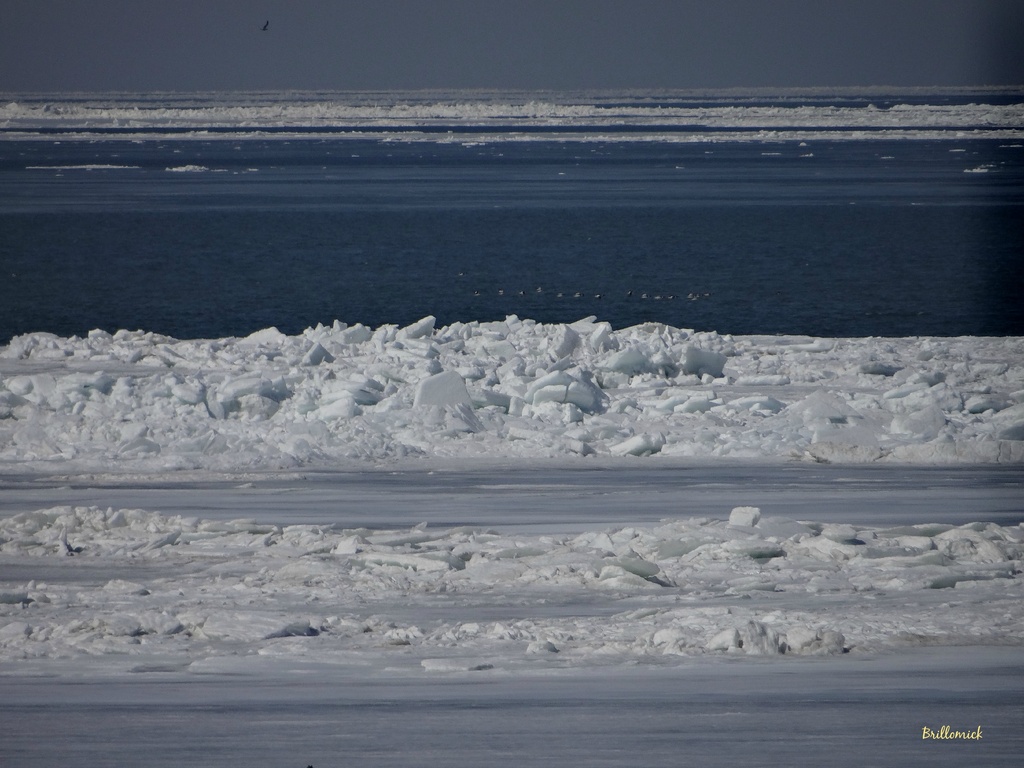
(506, 117)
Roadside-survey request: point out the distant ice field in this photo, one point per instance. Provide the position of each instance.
(579, 116)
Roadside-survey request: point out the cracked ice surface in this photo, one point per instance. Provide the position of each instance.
(122, 588)
(149, 592)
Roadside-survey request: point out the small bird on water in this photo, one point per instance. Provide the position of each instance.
(265, 26)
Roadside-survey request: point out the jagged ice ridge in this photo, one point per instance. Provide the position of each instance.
(510, 388)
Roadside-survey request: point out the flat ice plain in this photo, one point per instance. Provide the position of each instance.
(507, 541)
(510, 540)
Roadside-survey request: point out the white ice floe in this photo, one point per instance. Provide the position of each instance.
(163, 593)
(85, 167)
(510, 388)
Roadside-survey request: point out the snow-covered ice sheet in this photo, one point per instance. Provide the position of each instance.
(546, 495)
(737, 636)
(849, 712)
(139, 591)
(511, 388)
(661, 541)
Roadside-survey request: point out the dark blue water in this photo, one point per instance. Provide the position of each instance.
(833, 238)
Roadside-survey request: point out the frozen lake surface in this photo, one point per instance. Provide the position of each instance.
(379, 683)
(845, 713)
(560, 496)
(553, 543)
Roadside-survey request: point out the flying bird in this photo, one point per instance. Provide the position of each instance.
(266, 25)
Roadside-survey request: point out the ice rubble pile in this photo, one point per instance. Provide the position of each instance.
(514, 388)
(182, 593)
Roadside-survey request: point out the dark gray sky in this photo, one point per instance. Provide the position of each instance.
(536, 44)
